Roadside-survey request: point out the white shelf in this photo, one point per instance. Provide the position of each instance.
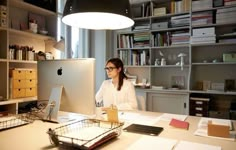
(30, 34)
(19, 100)
(135, 48)
(213, 92)
(217, 63)
(172, 29)
(172, 46)
(170, 66)
(23, 61)
(3, 60)
(3, 28)
(212, 44)
(32, 8)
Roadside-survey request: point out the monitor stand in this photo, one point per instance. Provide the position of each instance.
(51, 112)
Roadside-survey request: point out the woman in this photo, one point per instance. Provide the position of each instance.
(117, 90)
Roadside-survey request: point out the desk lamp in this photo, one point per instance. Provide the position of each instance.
(98, 14)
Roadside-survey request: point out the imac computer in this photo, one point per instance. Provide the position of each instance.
(68, 85)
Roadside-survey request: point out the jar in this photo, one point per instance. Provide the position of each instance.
(157, 62)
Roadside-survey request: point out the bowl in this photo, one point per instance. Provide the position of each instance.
(44, 32)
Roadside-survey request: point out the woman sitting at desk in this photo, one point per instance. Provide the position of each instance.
(117, 90)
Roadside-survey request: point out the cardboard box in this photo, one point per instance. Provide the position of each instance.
(217, 130)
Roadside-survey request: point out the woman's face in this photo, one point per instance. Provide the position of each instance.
(112, 71)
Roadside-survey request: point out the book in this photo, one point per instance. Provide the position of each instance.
(179, 124)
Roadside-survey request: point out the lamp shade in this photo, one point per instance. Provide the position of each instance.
(98, 14)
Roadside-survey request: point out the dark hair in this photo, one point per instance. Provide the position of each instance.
(118, 64)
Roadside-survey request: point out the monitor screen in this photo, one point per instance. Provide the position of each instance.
(76, 76)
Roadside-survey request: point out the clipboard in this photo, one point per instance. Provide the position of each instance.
(144, 129)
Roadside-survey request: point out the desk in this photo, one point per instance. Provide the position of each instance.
(34, 137)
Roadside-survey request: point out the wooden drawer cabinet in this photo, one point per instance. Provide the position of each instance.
(17, 74)
(18, 83)
(23, 83)
(199, 106)
(30, 92)
(29, 83)
(30, 74)
(18, 93)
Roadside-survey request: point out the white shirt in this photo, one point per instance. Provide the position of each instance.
(125, 99)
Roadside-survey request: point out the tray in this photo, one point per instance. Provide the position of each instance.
(85, 134)
(12, 121)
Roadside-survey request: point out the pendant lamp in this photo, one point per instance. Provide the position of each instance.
(98, 14)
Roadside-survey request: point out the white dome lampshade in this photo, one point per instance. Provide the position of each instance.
(98, 14)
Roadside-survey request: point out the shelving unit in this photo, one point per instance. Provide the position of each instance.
(17, 32)
(204, 61)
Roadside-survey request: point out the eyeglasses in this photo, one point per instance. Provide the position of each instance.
(109, 68)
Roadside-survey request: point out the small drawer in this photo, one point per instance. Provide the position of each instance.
(17, 74)
(18, 93)
(18, 83)
(30, 92)
(30, 74)
(30, 83)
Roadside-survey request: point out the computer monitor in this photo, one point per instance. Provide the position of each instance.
(77, 78)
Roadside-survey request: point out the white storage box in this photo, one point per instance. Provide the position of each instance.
(204, 31)
(160, 25)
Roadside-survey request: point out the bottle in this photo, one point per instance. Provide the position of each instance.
(163, 62)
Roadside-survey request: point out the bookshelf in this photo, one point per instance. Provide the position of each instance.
(175, 31)
(15, 31)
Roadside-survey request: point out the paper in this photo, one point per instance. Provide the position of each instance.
(185, 145)
(153, 142)
(137, 118)
(168, 117)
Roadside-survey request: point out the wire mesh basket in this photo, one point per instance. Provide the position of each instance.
(12, 121)
(85, 134)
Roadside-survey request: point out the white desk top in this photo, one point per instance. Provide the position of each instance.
(34, 137)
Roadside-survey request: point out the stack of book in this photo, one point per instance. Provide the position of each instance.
(141, 27)
(203, 35)
(229, 2)
(179, 21)
(179, 6)
(125, 41)
(226, 15)
(123, 55)
(201, 4)
(141, 39)
(180, 37)
(139, 58)
(202, 18)
(161, 39)
(228, 38)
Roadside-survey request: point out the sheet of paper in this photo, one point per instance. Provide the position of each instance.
(153, 142)
(185, 145)
(168, 117)
(137, 118)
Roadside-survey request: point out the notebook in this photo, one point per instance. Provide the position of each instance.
(144, 129)
(179, 124)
